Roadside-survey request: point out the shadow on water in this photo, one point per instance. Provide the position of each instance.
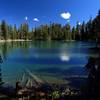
(92, 89)
(1, 61)
(65, 72)
(8, 47)
(4, 50)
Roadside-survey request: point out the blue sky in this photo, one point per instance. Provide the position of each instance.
(45, 11)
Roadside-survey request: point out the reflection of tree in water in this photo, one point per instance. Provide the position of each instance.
(24, 47)
(93, 67)
(4, 50)
(1, 61)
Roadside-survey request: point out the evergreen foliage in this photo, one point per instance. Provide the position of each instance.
(89, 31)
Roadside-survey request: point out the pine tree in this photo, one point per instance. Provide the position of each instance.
(25, 31)
(4, 30)
(73, 33)
(10, 32)
(82, 31)
(78, 34)
(15, 33)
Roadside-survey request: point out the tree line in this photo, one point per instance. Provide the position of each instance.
(81, 32)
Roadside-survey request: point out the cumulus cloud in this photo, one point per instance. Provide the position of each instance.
(79, 23)
(36, 20)
(26, 18)
(66, 15)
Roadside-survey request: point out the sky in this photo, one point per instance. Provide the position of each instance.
(37, 12)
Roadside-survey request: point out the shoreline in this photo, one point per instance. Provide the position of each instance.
(15, 40)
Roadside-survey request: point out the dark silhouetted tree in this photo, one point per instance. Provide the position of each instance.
(4, 30)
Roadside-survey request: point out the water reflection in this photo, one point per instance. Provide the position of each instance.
(43, 58)
(4, 50)
(1, 61)
(64, 57)
(93, 67)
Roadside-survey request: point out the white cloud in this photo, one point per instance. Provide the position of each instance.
(79, 23)
(36, 20)
(66, 15)
(26, 18)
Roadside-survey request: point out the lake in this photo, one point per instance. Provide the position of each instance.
(49, 61)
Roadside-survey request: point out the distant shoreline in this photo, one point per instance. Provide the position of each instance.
(22, 40)
(16, 40)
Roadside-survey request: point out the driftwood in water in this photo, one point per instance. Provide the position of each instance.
(35, 79)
